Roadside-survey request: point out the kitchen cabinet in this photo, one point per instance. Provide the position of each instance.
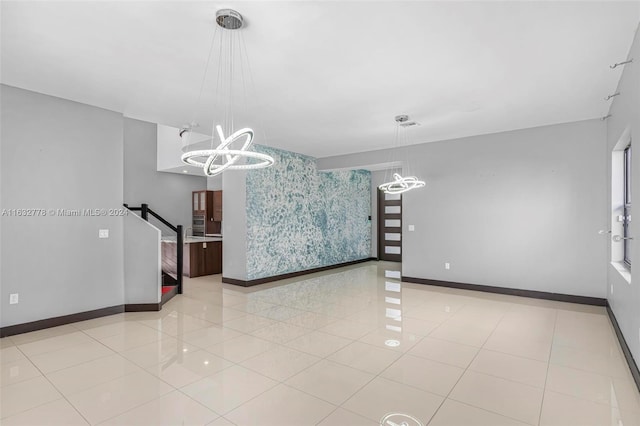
(217, 206)
(202, 258)
(207, 212)
(199, 202)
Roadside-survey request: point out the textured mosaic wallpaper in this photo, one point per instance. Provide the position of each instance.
(299, 218)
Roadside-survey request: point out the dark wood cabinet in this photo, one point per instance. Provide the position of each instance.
(203, 258)
(199, 202)
(213, 258)
(217, 206)
(207, 212)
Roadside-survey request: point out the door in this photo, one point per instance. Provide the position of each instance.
(217, 206)
(389, 227)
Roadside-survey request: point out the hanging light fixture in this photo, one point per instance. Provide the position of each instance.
(217, 158)
(401, 184)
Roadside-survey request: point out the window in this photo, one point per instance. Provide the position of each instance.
(627, 205)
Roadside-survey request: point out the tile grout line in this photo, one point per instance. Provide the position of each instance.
(144, 370)
(179, 389)
(163, 395)
(465, 372)
(341, 405)
(480, 348)
(70, 347)
(376, 376)
(320, 359)
(279, 382)
(55, 387)
(459, 378)
(114, 352)
(546, 377)
(133, 408)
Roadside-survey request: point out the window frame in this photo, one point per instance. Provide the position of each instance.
(627, 205)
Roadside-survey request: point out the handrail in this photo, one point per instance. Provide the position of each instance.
(145, 211)
(161, 219)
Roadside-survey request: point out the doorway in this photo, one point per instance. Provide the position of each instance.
(389, 227)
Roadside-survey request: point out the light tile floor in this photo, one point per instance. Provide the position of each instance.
(344, 347)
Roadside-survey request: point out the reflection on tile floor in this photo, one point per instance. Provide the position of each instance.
(343, 347)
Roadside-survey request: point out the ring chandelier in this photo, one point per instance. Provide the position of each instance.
(216, 160)
(401, 184)
(206, 158)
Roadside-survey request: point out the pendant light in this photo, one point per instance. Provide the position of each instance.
(401, 184)
(215, 159)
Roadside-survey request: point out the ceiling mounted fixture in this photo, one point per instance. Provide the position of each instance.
(215, 159)
(617, 64)
(401, 184)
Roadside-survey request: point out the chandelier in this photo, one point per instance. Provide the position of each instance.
(215, 159)
(401, 184)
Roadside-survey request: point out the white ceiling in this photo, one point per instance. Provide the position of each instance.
(330, 76)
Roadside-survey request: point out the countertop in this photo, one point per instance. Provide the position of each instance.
(191, 240)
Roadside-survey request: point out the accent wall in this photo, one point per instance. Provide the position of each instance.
(300, 219)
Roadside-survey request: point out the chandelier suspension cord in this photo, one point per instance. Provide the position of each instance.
(204, 77)
(397, 146)
(253, 89)
(245, 103)
(406, 166)
(231, 117)
(217, 101)
(223, 95)
(388, 175)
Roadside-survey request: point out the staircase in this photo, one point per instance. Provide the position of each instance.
(171, 259)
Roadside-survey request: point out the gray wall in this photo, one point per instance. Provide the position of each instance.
(168, 194)
(142, 261)
(625, 299)
(518, 209)
(214, 183)
(234, 225)
(58, 154)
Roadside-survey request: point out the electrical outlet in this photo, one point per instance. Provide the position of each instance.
(13, 298)
(103, 233)
(447, 265)
(611, 288)
(412, 228)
